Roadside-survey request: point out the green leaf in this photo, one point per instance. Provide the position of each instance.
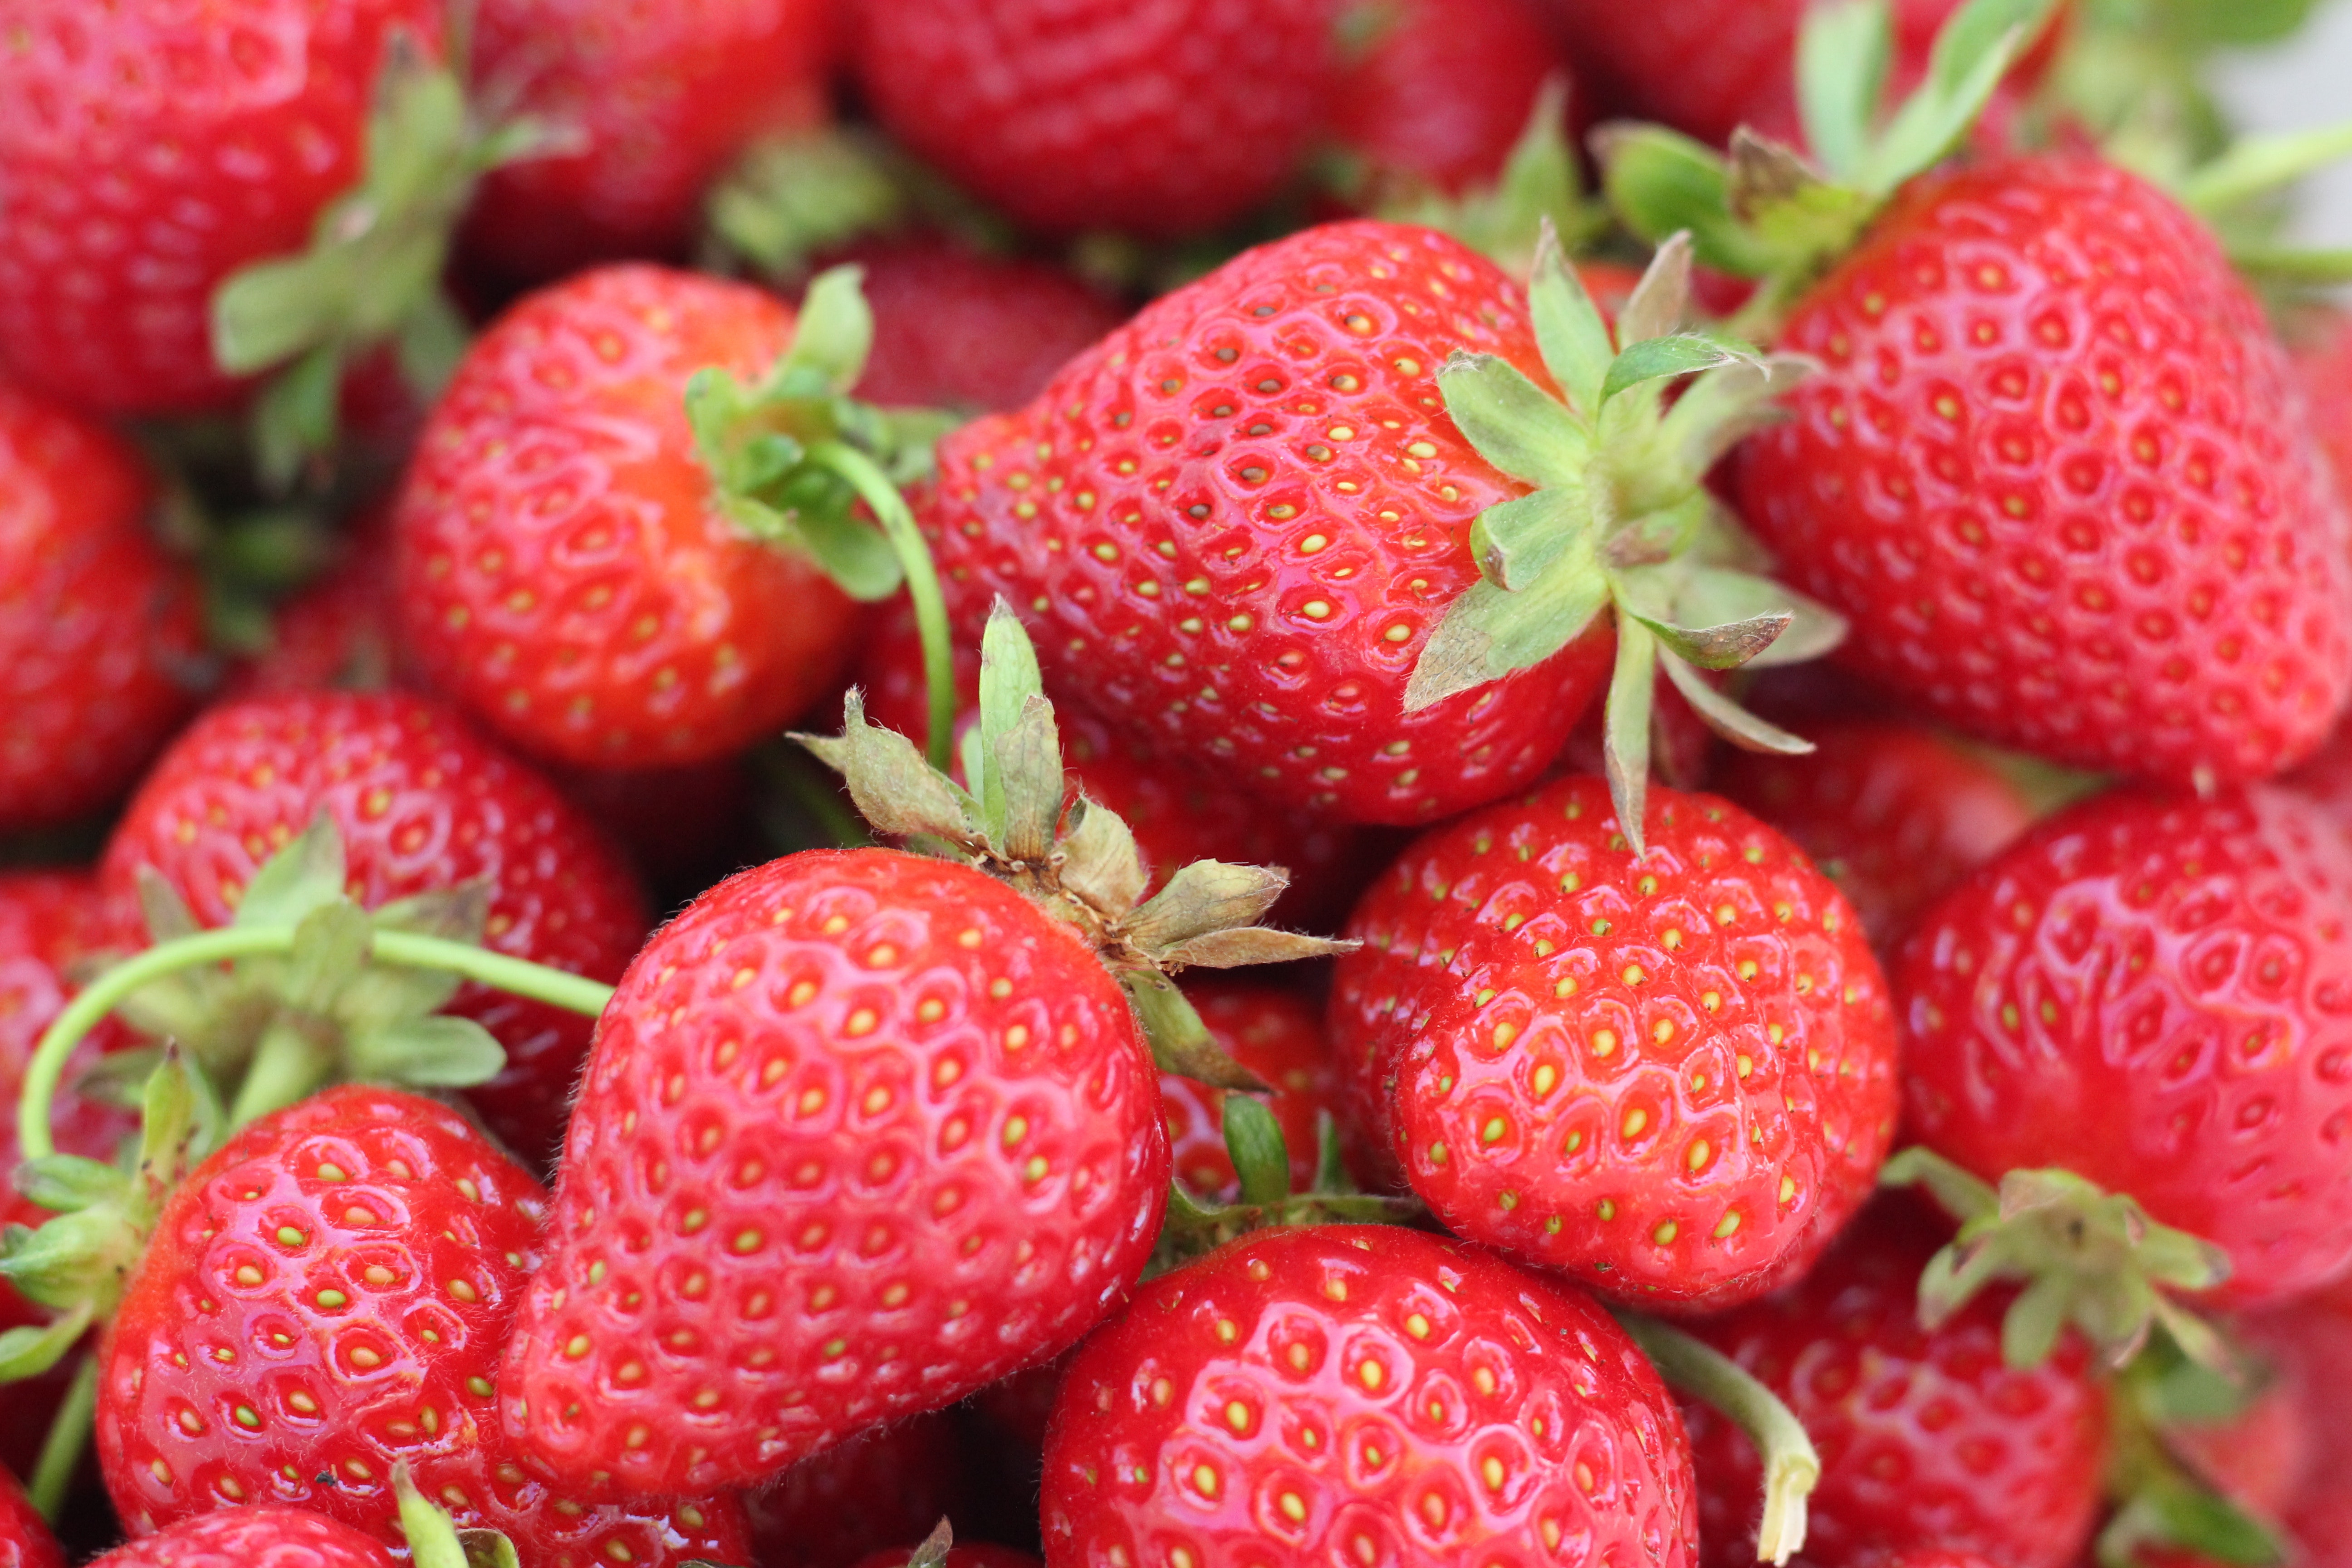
(1243, 946)
(835, 333)
(1203, 897)
(1661, 302)
(431, 341)
(2260, 165)
(1009, 678)
(1028, 763)
(1625, 728)
(1514, 425)
(1682, 354)
(854, 555)
(1720, 595)
(460, 914)
(1514, 542)
(167, 914)
(1570, 334)
(119, 1077)
(2208, 1525)
(2293, 265)
(1799, 218)
(27, 1351)
(1842, 57)
(297, 415)
(1261, 1159)
(330, 948)
(1331, 1176)
(1180, 1043)
(791, 197)
(1490, 632)
(439, 1051)
(1727, 718)
(933, 1552)
(1100, 863)
(67, 1181)
(1725, 407)
(305, 874)
(895, 789)
(1661, 182)
(1724, 646)
(1973, 52)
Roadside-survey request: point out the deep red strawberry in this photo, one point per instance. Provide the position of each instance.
(24, 1538)
(241, 1538)
(1346, 1394)
(958, 1556)
(1671, 1076)
(831, 1510)
(1277, 1035)
(2307, 1352)
(2151, 992)
(101, 640)
(1163, 119)
(568, 568)
(1440, 97)
(422, 803)
(1927, 1440)
(2055, 468)
(1896, 814)
(326, 1296)
(661, 97)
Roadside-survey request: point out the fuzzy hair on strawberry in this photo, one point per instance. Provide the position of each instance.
(1365, 525)
(2054, 466)
(864, 1130)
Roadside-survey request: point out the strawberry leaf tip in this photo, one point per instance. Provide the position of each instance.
(2087, 1258)
(1539, 182)
(1620, 516)
(436, 1541)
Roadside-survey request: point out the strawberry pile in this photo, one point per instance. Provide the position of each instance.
(648, 647)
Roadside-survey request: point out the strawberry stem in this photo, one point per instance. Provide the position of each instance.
(68, 1435)
(890, 508)
(410, 949)
(1791, 1467)
(287, 1066)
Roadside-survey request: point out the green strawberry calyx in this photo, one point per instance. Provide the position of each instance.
(371, 275)
(1767, 212)
(2086, 1258)
(1079, 863)
(2164, 1498)
(1621, 518)
(795, 457)
(436, 1541)
(1195, 1227)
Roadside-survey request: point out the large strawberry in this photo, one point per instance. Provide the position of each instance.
(324, 1299)
(1669, 1074)
(239, 1538)
(1927, 1439)
(832, 1509)
(1439, 95)
(100, 637)
(423, 806)
(610, 577)
(864, 1130)
(1364, 1394)
(655, 100)
(1162, 119)
(2133, 1025)
(1253, 522)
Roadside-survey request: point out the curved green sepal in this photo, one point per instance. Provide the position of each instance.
(2258, 166)
(2086, 1258)
(1842, 60)
(1180, 1043)
(789, 198)
(1625, 727)
(29, 1350)
(933, 1552)
(1660, 182)
(1973, 51)
(1539, 182)
(434, 1542)
(1255, 1143)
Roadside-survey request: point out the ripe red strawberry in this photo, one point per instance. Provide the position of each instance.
(1277, 1035)
(1896, 814)
(422, 803)
(2306, 1349)
(243, 1537)
(99, 630)
(569, 567)
(2149, 992)
(2324, 364)
(1162, 119)
(891, 1484)
(1927, 1440)
(326, 1296)
(662, 97)
(1671, 1076)
(2056, 470)
(953, 329)
(1364, 1394)
(1440, 97)
(24, 1538)
(148, 153)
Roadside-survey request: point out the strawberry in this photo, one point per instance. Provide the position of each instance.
(1896, 814)
(423, 805)
(1440, 96)
(1364, 1394)
(610, 578)
(240, 1538)
(100, 631)
(337, 633)
(1669, 1075)
(2323, 363)
(2306, 1349)
(24, 1538)
(962, 1557)
(1161, 122)
(657, 98)
(1277, 1035)
(1927, 1439)
(836, 1508)
(1251, 524)
(324, 1298)
(2142, 998)
(864, 1130)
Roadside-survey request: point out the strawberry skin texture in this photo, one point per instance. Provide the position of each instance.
(1445, 89)
(2307, 1349)
(423, 802)
(146, 153)
(664, 94)
(24, 1538)
(893, 1483)
(2056, 471)
(1277, 1035)
(101, 633)
(325, 1297)
(1896, 814)
(1359, 1393)
(862, 1132)
(245, 1537)
(564, 572)
(1926, 1438)
(1233, 525)
(1163, 118)
(2323, 363)
(1673, 1079)
(2153, 992)
(953, 329)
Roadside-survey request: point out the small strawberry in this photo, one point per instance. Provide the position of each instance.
(1364, 1394)
(1671, 1075)
(864, 1130)
(244, 1537)
(655, 102)
(835, 1509)
(2143, 998)
(616, 563)
(1896, 814)
(1927, 1439)
(24, 1538)
(1164, 120)
(101, 631)
(324, 1299)
(1278, 1035)
(1320, 520)
(423, 806)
